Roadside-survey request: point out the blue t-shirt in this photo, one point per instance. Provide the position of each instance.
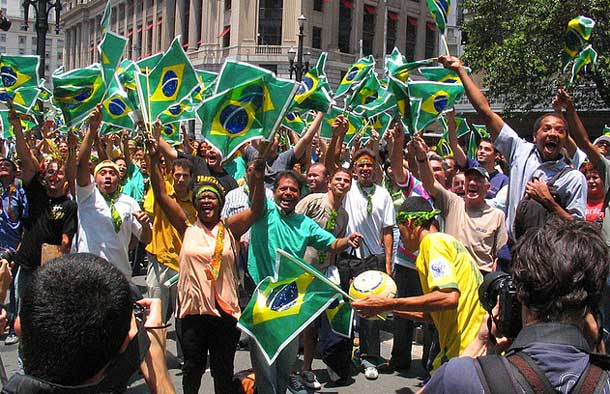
(496, 179)
(13, 209)
(292, 233)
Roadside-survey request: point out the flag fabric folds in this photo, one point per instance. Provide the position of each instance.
(282, 306)
(355, 73)
(429, 100)
(171, 80)
(293, 121)
(439, 10)
(314, 91)
(106, 16)
(365, 92)
(587, 56)
(171, 133)
(478, 132)
(354, 126)
(77, 92)
(245, 112)
(577, 36)
(111, 50)
(606, 130)
(184, 110)
(116, 107)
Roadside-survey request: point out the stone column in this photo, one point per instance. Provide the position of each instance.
(194, 13)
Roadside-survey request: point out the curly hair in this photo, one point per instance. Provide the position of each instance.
(560, 269)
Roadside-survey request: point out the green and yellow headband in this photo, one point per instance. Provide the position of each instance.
(418, 217)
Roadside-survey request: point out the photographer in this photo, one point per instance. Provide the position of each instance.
(558, 278)
(79, 332)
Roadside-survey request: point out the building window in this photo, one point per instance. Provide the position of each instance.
(228, 4)
(3, 37)
(22, 40)
(270, 67)
(270, 22)
(317, 5)
(60, 57)
(411, 40)
(390, 38)
(345, 25)
(430, 40)
(3, 49)
(22, 51)
(316, 37)
(368, 29)
(226, 36)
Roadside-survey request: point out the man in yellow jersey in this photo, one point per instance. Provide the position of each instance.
(449, 277)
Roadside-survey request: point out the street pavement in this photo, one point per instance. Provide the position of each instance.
(391, 383)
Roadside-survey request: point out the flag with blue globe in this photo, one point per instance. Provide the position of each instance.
(117, 109)
(314, 91)
(429, 100)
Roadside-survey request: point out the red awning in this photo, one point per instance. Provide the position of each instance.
(185, 45)
(149, 26)
(225, 31)
(412, 21)
(430, 26)
(130, 33)
(139, 29)
(160, 21)
(392, 15)
(199, 42)
(347, 3)
(370, 9)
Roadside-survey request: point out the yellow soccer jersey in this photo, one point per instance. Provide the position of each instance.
(444, 263)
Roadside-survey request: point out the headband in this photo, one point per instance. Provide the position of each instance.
(365, 159)
(210, 188)
(420, 217)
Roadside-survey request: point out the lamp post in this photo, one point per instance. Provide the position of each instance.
(299, 68)
(42, 8)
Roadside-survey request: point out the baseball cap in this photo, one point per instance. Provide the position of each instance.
(479, 170)
(605, 138)
(10, 161)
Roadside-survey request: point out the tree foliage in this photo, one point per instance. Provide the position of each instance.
(518, 45)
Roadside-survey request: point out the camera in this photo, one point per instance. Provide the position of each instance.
(6, 254)
(498, 288)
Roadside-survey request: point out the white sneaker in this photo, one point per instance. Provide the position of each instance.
(310, 380)
(371, 373)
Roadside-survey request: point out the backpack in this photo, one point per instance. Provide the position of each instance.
(531, 213)
(508, 375)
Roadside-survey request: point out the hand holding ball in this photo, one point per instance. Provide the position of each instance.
(377, 288)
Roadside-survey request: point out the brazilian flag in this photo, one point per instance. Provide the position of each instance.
(169, 82)
(381, 123)
(45, 94)
(111, 50)
(205, 88)
(171, 133)
(429, 100)
(365, 92)
(293, 121)
(606, 130)
(106, 16)
(147, 64)
(117, 109)
(77, 92)
(22, 99)
(314, 91)
(578, 34)
(441, 74)
(461, 125)
(478, 132)
(7, 129)
(356, 73)
(354, 127)
(340, 315)
(587, 56)
(282, 306)
(439, 10)
(109, 129)
(252, 110)
(385, 102)
(18, 72)
(184, 110)
(126, 72)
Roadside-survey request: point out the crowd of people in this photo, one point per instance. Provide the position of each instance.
(82, 214)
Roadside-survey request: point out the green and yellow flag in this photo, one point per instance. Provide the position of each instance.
(578, 34)
(106, 16)
(147, 64)
(365, 92)
(111, 50)
(171, 133)
(282, 306)
(606, 130)
(293, 121)
(354, 127)
(478, 132)
(20, 81)
(441, 74)
(77, 92)
(429, 100)
(385, 102)
(7, 129)
(206, 86)
(45, 94)
(587, 56)
(169, 82)
(439, 10)
(252, 110)
(314, 91)
(356, 73)
(184, 110)
(117, 109)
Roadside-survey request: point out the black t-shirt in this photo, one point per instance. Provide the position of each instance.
(200, 168)
(49, 219)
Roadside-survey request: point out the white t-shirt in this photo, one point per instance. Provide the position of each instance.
(96, 233)
(370, 226)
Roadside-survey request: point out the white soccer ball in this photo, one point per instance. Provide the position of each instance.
(371, 283)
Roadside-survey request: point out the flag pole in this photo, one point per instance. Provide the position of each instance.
(444, 40)
(148, 98)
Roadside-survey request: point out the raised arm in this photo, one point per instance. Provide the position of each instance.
(28, 167)
(458, 152)
(564, 101)
(241, 222)
(396, 142)
(83, 177)
(70, 167)
(186, 141)
(299, 147)
(425, 171)
(176, 215)
(333, 152)
(478, 100)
